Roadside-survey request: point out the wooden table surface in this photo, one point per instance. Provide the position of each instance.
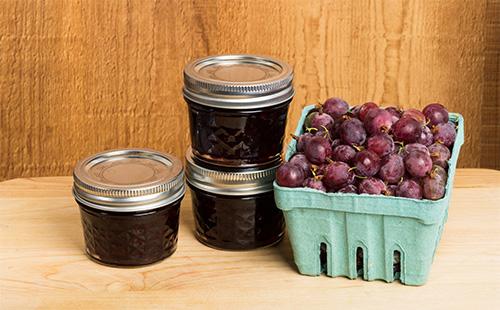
(42, 264)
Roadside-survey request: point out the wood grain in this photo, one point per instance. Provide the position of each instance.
(490, 120)
(77, 77)
(43, 265)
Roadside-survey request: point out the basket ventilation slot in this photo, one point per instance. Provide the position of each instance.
(359, 261)
(323, 257)
(396, 265)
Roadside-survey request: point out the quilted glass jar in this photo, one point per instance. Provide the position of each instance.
(129, 204)
(234, 210)
(238, 106)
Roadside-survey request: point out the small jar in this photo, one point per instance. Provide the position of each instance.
(238, 106)
(129, 204)
(234, 210)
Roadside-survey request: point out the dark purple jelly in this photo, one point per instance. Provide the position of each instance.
(236, 223)
(234, 209)
(238, 138)
(133, 238)
(238, 106)
(129, 203)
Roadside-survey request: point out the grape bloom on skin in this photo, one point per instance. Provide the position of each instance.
(372, 150)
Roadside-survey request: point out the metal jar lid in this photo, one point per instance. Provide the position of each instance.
(238, 81)
(230, 183)
(128, 180)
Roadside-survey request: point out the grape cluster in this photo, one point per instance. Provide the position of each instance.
(368, 149)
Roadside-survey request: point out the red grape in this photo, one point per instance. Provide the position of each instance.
(407, 130)
(349, 189)
(289, 175)
(432, 105)
(314, 183)
(426, 137)
(372, 186)
(352, 132)
(322, 122)
(392, 168)
(412, 147)
(337, 175)
(318, 150)
(418, 163)
(410, 189)
(415, 114)
(440, 154)
(436, 114)
(367, 163)
(300, 160)
(378, 120)
(432, 187)
(302, 141)
(439, 172)
(382, 144)
(335, 107)
(344, 153)
(395, 112)
(445, 133)
(363, 110)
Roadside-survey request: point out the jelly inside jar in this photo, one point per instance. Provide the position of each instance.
(238, 137)
(237, 223)
(132, 238)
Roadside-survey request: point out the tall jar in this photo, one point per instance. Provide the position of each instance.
(129, 203)
(238, 106)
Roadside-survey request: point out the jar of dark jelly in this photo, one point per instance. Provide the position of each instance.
(238, 106)
(129, 204)
(234, 210)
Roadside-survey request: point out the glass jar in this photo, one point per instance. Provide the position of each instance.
(238, 106)
(129, 203)
(234, 210)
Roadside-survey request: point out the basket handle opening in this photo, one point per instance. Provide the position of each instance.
(360, 262)
(396, 265)
(323, 258)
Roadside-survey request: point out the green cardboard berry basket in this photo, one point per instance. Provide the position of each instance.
(379, 226)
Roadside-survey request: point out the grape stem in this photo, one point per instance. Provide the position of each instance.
(314, 168)
(318, 177)
(327, 132)
(358, 148)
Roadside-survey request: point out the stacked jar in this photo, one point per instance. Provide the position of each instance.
(238, 106)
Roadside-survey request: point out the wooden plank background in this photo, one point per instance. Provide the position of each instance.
(77, 77)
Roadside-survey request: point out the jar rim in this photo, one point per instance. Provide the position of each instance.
(237, 182)
(128, 180)
(238, 81)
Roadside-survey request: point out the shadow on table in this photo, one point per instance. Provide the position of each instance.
(285, 251)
